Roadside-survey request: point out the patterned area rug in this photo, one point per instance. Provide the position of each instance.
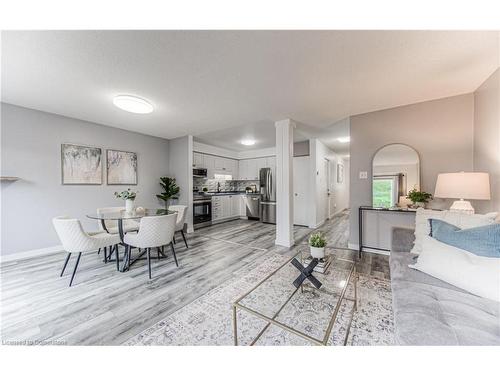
(208, 320)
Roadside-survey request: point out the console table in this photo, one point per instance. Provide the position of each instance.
(363, 209)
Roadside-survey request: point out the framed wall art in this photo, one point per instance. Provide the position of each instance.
(81, 165)
(121, 167)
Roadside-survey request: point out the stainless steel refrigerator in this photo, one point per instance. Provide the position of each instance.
(268, 196)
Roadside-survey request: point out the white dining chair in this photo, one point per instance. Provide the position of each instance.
(112, 225)
(75, 240)
(154, 231)
(181, 218)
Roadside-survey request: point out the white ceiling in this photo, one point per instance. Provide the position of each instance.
(204, 81)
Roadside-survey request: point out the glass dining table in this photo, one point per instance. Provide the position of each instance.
(119, 217)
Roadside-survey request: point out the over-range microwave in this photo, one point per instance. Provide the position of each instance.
(200, 172)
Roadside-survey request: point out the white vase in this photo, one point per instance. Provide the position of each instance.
(317, 252)
(129, 205)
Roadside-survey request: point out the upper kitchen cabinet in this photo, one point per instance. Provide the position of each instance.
(271, 162)
(248, 169)
(261, 163)
(209, 163)
(218, 163)
(198, 160)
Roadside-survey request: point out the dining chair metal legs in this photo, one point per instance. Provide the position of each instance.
(117, 256)
(173, 252)
(105, 254)
(74, 270)
(148, 251)
(65, 264)
(184, 238)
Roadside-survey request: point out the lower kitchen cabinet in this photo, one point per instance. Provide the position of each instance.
(227, 207)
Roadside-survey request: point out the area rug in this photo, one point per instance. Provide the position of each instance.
(208, 320)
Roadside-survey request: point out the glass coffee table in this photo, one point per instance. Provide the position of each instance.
(305, 311)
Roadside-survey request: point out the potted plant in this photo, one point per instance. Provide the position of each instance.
(129, 197)
(170, 190)
(317, 243)
(419, 198)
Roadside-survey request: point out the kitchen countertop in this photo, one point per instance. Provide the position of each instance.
(215, 193)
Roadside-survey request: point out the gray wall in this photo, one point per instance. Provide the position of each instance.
(31, 147)
(487, 138)
(440, 130)
(181, 168)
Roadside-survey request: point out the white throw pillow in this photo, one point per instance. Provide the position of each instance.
(463, 269)
(461, 220)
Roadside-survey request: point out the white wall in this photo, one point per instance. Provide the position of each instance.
(441, 131)
(181, 168)
(487, 138)
(31, 149)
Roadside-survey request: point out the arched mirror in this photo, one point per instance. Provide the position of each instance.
(395, 171)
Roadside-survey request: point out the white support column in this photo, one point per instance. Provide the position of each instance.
(284, 183)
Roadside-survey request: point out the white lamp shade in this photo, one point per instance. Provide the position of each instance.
(463, 185)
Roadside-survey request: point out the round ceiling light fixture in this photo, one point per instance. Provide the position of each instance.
(344, 139)
(248, 142)
(133, 104)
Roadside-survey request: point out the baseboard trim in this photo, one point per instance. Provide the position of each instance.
(353, 246)
(317, 225)
(31, 253)
(284, 243)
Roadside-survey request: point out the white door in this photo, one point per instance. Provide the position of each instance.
(324, 203)
(332, 180)
(301, 193)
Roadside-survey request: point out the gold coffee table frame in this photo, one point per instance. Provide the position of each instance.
(353, 276)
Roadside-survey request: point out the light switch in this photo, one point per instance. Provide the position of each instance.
(363, 175)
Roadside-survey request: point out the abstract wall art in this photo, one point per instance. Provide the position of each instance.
(121, 167)
(81, 165)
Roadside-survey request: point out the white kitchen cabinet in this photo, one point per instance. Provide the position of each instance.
(242, 210)
(261, 163)
(235, 205)
(209, 162)
(271, 162)
(243, 169)
(217, 210)
(198, 160)
(218, 163)
(226, 207)
(253, 171)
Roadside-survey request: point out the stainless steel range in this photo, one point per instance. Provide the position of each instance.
(202, 211)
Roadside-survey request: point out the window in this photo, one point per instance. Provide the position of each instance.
(385, 191)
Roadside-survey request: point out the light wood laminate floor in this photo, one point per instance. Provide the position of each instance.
(106, 307)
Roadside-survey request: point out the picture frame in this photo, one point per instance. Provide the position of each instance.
(81, 164)
(340, 173)
(121, 167)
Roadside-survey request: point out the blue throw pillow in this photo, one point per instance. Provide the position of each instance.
(483, 241)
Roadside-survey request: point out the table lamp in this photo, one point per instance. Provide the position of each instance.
(462, 186)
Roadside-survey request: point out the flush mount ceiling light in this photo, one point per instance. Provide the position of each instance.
(248, 142)
(344, 139)
(132, 104)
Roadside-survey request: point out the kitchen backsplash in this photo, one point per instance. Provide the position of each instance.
(211, 185)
